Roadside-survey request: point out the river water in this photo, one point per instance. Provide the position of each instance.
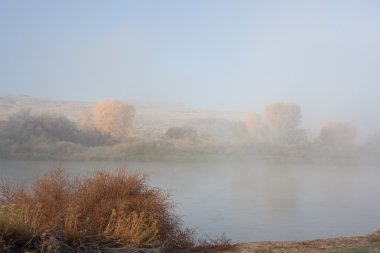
(250, 201)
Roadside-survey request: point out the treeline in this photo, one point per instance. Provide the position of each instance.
(55, 136)
(25, 135)
(46, 135)
(277, 133)
(106, 132)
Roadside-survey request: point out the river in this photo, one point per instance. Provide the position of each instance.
(250, 201)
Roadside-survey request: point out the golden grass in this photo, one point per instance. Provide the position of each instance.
(132, 229)
(117, 205)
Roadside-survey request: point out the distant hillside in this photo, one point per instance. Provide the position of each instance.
(151, 119)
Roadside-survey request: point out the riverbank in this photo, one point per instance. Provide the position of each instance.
(358, 244)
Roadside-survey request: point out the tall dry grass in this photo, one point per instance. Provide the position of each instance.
(119, 205)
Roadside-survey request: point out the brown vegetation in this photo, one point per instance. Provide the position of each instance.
(105, 210)
(360, 244)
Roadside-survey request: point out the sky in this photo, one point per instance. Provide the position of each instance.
(220, 55)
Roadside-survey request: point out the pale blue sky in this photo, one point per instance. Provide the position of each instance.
(227, 55)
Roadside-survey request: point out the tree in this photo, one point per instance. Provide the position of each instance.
(251, 125)
(21, 126)
(86, 123)
(283, 116)
(182, 133)
(114, 118)
(338, 135)
(284, 119)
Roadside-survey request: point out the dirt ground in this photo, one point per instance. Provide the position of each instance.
(361, 244)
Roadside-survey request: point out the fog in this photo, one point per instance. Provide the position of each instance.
(231, 56)
(250, 201)
(260, 117)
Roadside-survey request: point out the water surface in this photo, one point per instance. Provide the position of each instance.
(251, 202)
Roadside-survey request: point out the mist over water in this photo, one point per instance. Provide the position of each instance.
(251, 201)
(260, 117)
(229, 56)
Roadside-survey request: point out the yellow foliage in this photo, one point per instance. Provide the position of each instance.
(115, 118)
(253, 123)
(8, 219)
(71, 223)
(283, 115)
(134, 229)
(338, 134)
(25, 222)
(86, 121)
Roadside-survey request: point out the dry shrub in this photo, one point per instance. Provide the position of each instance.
(132, 229)
(220, 244)
(119, 205)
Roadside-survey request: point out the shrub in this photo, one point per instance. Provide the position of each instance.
(120, 206)
(183, 133)
(46, 134)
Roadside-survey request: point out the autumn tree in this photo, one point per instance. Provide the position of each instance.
(338, 134)
(283, 115)
(251, 125)
(284, 119)
(114, 118)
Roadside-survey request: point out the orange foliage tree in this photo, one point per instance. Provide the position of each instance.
(284, 119)
(338, 134)
(283, 116)
(114, 118)
(253, 125)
